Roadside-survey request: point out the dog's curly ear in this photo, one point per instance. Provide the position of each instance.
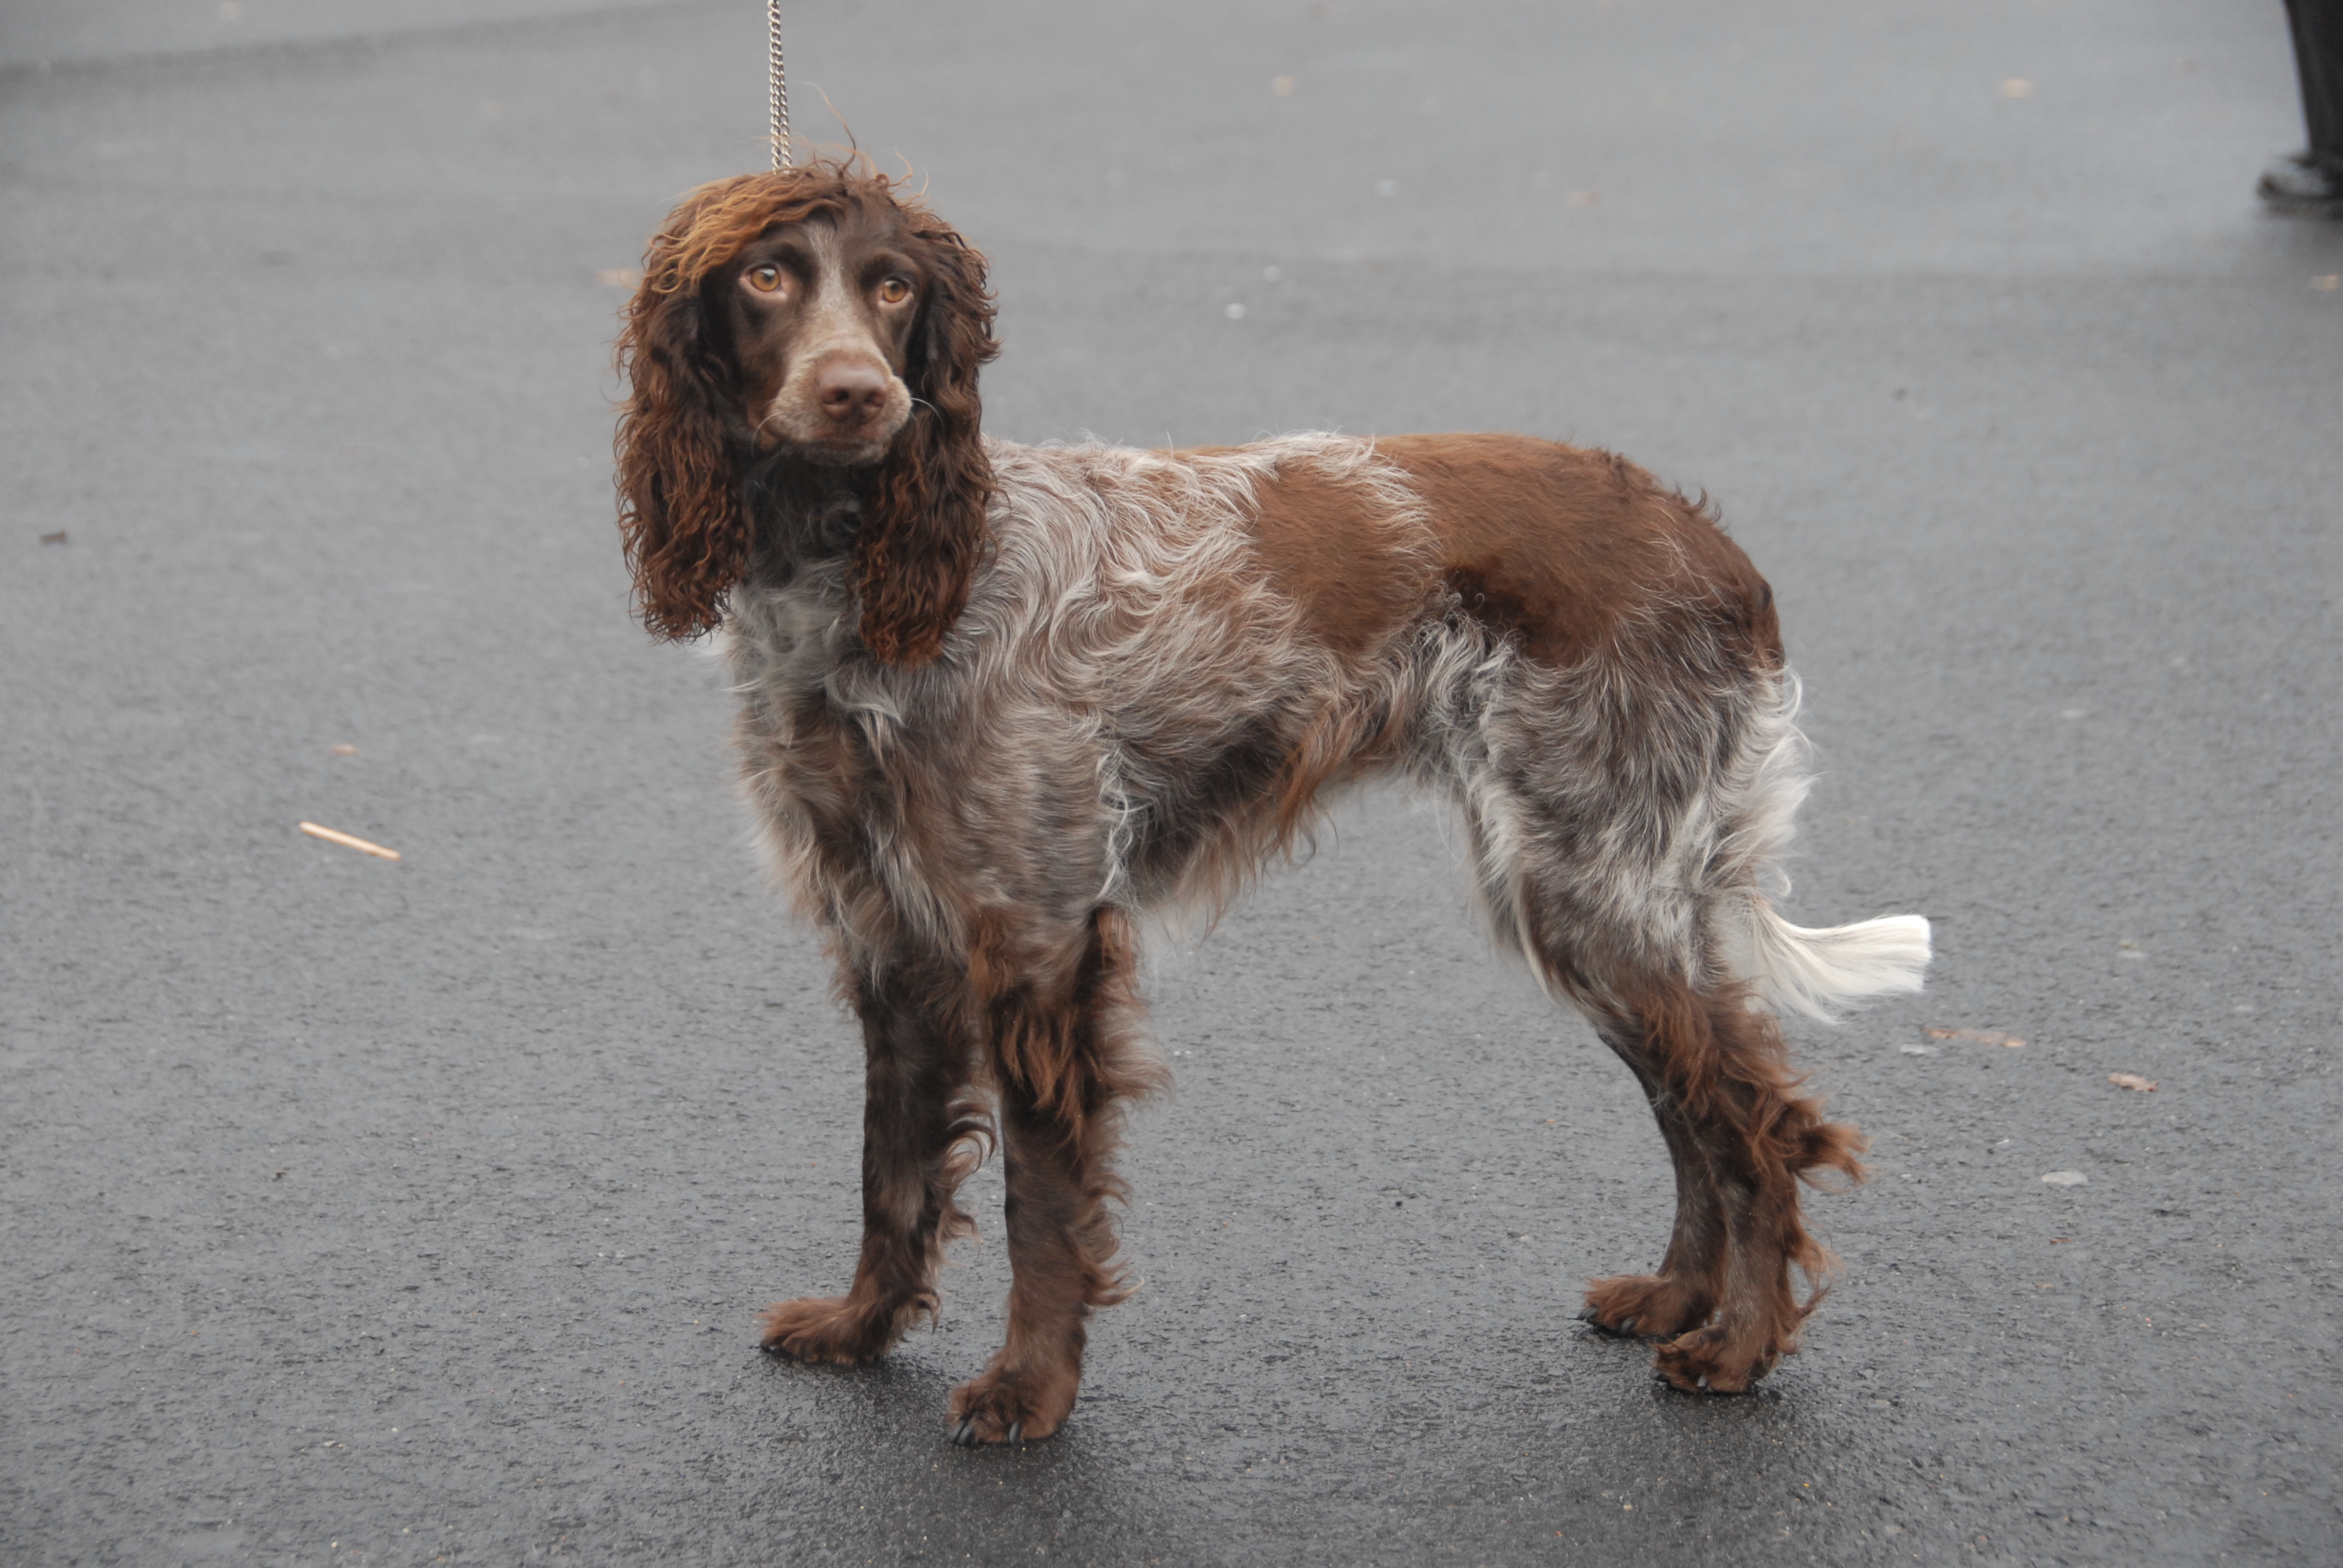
(922, 533)
(687, 529)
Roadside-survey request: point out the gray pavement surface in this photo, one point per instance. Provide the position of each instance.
(364, 1212)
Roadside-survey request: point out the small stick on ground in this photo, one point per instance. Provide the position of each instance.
(1975, 1036)
(331, 837)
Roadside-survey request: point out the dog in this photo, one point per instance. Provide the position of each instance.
(997, 701)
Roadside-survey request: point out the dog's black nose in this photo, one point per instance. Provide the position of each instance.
(850, 390)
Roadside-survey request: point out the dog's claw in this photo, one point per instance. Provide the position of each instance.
(966, 1436)
(1624, 1329)
(1016, 1432)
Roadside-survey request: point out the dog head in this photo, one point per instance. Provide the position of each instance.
(815, 316)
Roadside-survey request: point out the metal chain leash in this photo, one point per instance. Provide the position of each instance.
(778, 94)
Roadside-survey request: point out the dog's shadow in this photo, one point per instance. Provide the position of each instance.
(862, 1460)
(1548, 1421)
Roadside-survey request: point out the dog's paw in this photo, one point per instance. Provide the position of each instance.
(822, 1329)
(1644, 1306)
(1716, 1361)
(1010, 1406)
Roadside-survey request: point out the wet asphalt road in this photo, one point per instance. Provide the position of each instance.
(417, 1213)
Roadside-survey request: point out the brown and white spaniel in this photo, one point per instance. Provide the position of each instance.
(998, 700)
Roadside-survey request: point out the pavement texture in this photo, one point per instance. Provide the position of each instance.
(418, 1213)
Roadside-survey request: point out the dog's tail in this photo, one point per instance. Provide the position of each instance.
(1818, 970)
(1815, 971)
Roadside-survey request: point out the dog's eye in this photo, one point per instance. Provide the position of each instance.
(894, 291)
(765, 279)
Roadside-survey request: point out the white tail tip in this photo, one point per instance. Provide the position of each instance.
(1818, 970)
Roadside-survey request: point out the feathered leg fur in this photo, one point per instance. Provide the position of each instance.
(1059, 1032)
(1633, 892)
(925, 1131)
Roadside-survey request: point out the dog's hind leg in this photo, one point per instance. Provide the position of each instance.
(1617, 907)
(1717, 1075)
(1059, 1020)
(1685, 1290)
(924, 1131)
(1550, 909)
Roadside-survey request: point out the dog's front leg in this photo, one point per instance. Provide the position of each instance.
(921, 1129)
(1066, 1068)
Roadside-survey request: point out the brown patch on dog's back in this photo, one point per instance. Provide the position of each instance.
(1557, 546)
(1334, 549)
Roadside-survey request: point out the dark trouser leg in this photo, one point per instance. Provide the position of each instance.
(2318, 28)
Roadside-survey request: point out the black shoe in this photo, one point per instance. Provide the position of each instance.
(2296, 186)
